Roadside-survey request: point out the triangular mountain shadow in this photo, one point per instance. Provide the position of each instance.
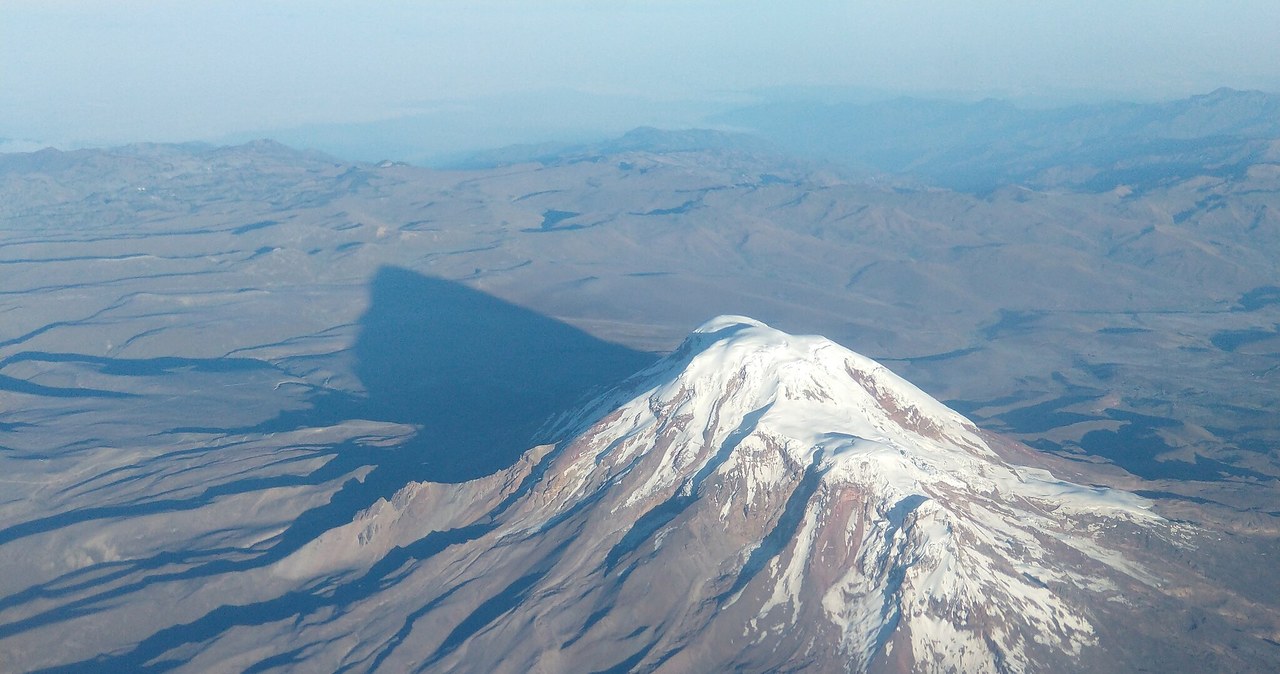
(478, 375)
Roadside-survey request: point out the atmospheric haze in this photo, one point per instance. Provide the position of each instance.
(112, 72)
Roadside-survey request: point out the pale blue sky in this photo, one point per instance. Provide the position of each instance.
(125, 70)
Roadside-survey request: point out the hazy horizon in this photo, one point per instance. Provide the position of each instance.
(83, 73)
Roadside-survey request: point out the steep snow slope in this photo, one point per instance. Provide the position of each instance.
(756, 501)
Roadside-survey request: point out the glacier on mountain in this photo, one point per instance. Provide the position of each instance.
(761, 501)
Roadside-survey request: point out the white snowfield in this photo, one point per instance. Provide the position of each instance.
(780, 490)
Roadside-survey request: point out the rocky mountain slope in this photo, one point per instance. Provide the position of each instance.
(757, 502)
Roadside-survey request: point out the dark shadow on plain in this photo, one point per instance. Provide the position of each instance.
(478, 375)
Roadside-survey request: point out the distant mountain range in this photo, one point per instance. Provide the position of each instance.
(968, 146)
(981, 146)
(978, 147)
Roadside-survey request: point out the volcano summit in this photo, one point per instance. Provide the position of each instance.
(755, 501)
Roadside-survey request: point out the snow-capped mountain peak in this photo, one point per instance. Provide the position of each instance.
(758, 499)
